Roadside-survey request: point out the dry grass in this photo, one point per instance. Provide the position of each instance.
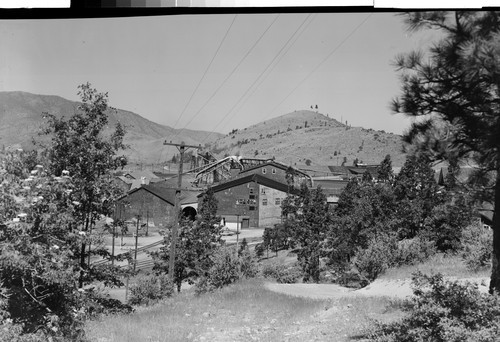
(245, 312)
(448, 265)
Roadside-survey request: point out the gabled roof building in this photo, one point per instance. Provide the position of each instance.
(156, 204)
(253, 200)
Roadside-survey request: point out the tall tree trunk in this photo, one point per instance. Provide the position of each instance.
(82, 265)
(495, 271)
(82, 253)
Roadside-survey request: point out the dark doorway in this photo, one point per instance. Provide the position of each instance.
(245, 223)
(189, 212)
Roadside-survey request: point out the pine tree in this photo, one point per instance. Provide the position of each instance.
(307, 218)
(455, 88)
(384, 173)
(417, 193)
(197, 242)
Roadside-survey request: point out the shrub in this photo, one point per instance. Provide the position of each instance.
(351, 278)
(413, 251)
(96, 302)
(444, 311)
(259, 250)
(477, 246)
(223, 272)
(248, 265)
(377, 257)
(150, 289)
(282, 273)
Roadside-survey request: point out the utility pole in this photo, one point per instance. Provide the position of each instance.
(136, 241)
(181, 148)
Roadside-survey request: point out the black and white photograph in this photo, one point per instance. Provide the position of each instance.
(249, 174)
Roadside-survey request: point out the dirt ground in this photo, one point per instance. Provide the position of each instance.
(399, 289)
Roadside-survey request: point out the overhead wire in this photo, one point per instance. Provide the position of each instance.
(202, 77)
(267, 69)
(322, 61)
(230, 74)
(206, 70)
(337, 47)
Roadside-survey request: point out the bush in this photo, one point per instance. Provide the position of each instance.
(259, 250)
(150, 289)
(95, 302)
(223, 272)
(282, 273)
(351, 278)
(377, 257)
(477, 246)
(248, 265)
(444, 311)
(413, 251)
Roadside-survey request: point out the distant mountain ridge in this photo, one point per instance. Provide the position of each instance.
(21, 117)
(299, 138)
(308, 137)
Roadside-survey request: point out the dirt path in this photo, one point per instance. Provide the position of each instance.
(381, 287)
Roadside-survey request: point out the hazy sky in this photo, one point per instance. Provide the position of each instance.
(153, 65)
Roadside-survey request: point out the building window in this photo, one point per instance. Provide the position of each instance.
(252, 201)
(251, 196)
(264, 170)
(263, 191)
(273, 171)
(251, 208)
(251, 190)
(277, 201)
(264, 201)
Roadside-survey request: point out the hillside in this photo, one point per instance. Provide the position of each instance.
(21, 117)
(295, 137)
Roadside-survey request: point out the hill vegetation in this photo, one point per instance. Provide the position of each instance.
(305, 135)
(302, 138)
(21, 115)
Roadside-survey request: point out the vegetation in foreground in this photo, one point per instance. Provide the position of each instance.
(244, 311)
(49, 203)
(444, 311)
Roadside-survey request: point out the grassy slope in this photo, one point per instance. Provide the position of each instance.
(248, 311)
(318, 142)
(244, 312)
(21, 118)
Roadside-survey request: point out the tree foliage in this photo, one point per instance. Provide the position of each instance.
(197, 241)
(454, 87)
(385, 173)
(47, 201)
(383, 224)
(81, 146)
(444, 311)
(307, 220)
(416, 192)
(40, 239)
(364, 210)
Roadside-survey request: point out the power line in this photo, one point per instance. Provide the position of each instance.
(323, 61)
(316, 67)
(230, 74)
(294, 35)
(320, 64)
(206, 70)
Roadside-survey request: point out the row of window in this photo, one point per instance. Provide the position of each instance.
(277, 201)
(253, 201)
(246, 201)
(264, 171)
